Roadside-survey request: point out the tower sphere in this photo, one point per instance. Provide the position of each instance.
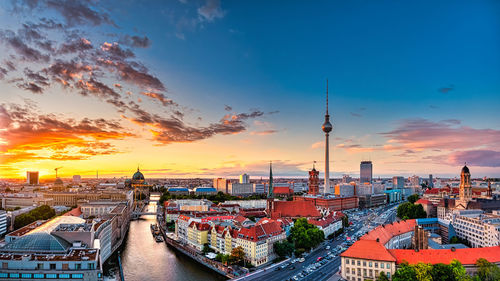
(327, 127)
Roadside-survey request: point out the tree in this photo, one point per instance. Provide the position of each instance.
(283, 248)
(382, 277)
(459, 272)
(405, 272)
(43, 212)
(206, 249)
(411, 211)
(423, 271)
(345, 221)
(237, 255)
(487, 271)
(413, 198)
(305, 235)
(442, 272)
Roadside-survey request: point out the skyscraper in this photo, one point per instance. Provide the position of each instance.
(221, 184)
(32, 178)
(327, 128)
(398, 182)
(365, 172)
(431, 181)
(244, 178)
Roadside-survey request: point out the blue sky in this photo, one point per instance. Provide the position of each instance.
(396, 70)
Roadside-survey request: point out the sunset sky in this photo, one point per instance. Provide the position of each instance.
(206, 88)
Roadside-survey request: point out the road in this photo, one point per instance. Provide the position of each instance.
(363, 221)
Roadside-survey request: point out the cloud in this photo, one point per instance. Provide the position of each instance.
(115, 52)
(319, 144)
(210, 11)
(355, 114)
(129, 72)
(77, 45)
(160, 97)
(446, 90)
(418, 134)
(482, 158)
(263, 133)
(21, 48)
(76, 12)
(228, 108)
(354, 148)
(32, 87)
(27, 135)
(136, 41)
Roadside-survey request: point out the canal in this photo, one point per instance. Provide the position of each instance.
(145, 259)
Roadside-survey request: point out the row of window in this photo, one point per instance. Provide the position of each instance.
(370, 264)
(369, 273)
(42, 276)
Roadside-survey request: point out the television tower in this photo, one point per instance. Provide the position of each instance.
(327, 128)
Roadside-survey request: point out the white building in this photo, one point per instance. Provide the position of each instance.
(480, 229)
(244, 178)
(3, 222)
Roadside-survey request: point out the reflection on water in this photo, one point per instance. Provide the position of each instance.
(145, 259)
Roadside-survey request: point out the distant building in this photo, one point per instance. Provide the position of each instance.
(398, 182)
(431, 181)
(221, 184)
(345, 190)
(77, 179)
(244, 178)
(346, 179)
(414, 181)
(240, 189)
(205, 191)
(365, 171)
(259, 188)
(32, 178)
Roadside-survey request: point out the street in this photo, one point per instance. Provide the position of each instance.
(362, 222)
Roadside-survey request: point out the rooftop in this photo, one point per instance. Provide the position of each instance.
(385, 232)
(368, 250)
(465, 256)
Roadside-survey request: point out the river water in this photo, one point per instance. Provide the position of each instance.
(145, 259)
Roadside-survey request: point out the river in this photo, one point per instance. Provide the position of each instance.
(145, 259)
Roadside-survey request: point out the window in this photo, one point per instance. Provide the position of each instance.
(381, 265)
(376, 265)
(5, 265)
(65, 266)
(346, 261)
(370, 264)
(359, 263)
(364, 263)
(65, 276)
(38, 276)
(78, 266)
(52, 266)
(26, 275)
(14, 275)
(39, 266)
(51, 276)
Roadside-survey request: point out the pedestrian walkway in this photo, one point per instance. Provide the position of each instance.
(335, 277)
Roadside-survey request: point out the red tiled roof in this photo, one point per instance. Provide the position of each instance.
(240, 219)
(294, 209)
(368, 250)
(261, 231)
(200, 226)
(432, 191)
(423, 202)
(282, 190)
(385, 232)
(466, 256)
(326, 221)
(76, 212)
(257, 214)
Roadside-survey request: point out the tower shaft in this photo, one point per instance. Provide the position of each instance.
(327, 164)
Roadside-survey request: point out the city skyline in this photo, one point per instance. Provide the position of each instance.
(100, 86)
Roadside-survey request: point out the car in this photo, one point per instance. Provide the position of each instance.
(294, 261)
(295, 278)
(328, 247)
(319, 258)
(292, 267)
(302, 259)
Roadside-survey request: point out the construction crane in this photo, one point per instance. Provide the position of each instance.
(56, 170)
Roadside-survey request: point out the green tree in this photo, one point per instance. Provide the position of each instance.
(305, 235)
(413, 198)
(487, 271)
(459, 272)
(283, 248)
(442, 272)
(206, 249)
(382, 277)
(423, 271)
(405, 272)
(408, 210)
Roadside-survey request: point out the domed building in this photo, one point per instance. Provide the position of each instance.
(137, 181)
(58, 185)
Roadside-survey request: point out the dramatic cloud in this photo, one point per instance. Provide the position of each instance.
(26, 52)
(75, 12)
(483, 158)
(115, 52)
(77, 45)
(160, 97)
(25, 134)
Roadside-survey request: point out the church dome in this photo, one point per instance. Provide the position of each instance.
(58, 182)
(138, 175)
(465, 170)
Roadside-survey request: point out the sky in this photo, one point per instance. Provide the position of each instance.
(208, 88)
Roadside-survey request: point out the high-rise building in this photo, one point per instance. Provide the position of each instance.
(327, 128)
(77, 178)
(365, 172)
(431, 181)
(32, 178)
(221, 184)
(244, 178)
(414, 180)
(398, 182)
(346, 179)
(3, 222)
